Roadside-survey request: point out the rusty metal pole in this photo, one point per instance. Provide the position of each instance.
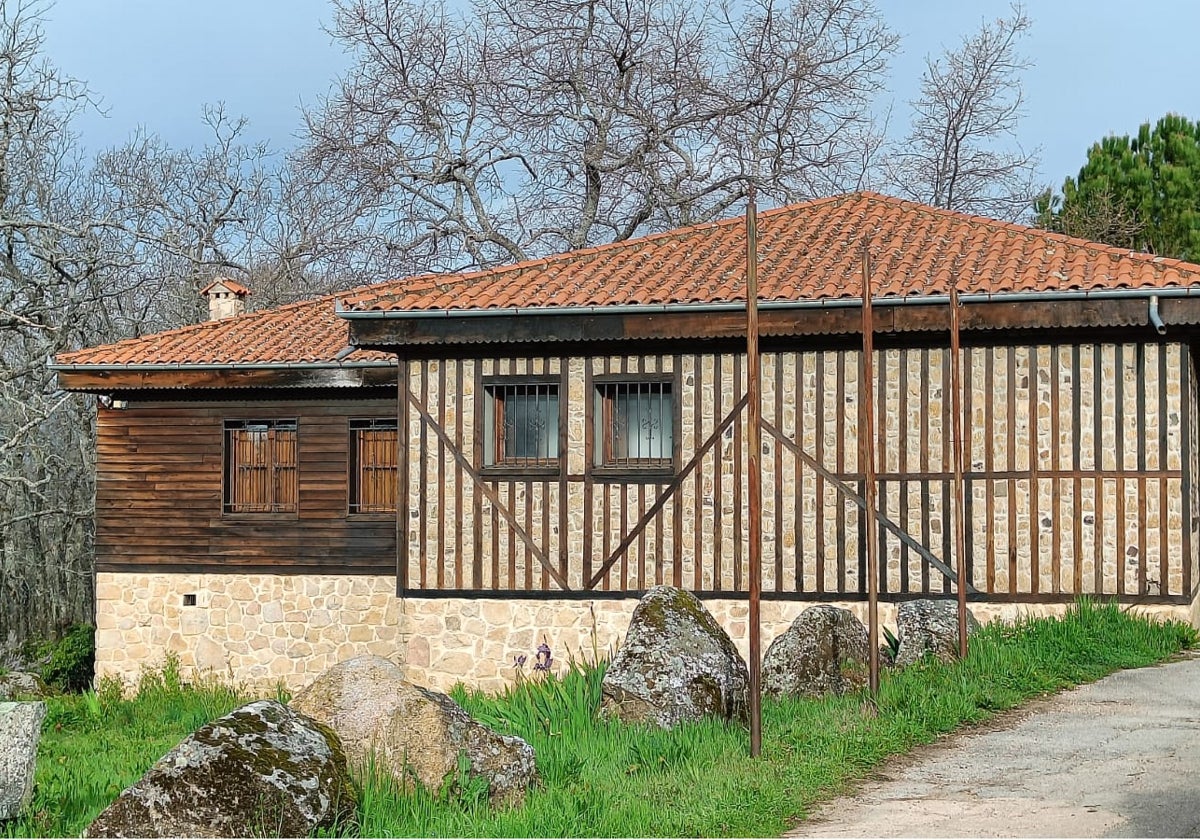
(754, 445)
(866, 439)
(960, 550)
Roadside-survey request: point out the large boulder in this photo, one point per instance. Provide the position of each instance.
(17, 685)
(823, 652)
(261, 771)
(929, 627)
(412, 731)
(20, 731)
(676, 664)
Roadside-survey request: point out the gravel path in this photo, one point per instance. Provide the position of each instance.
(1120, 757)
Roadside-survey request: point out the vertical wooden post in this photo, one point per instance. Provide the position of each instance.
(960, 549)
(402, 455)
(866, 437)
(754, 444)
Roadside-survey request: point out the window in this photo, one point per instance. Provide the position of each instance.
(260, 466)
(521, 425)
(373, 465)
(634, 425)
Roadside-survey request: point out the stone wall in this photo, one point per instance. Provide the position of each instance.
(266, 630)
(1075, 475)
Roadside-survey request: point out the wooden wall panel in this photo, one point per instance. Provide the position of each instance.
(159, 492)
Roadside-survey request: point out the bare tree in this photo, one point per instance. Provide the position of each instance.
(962, 152)
(50, 255)
(1098, 216)
(527, 127)
(91, 252)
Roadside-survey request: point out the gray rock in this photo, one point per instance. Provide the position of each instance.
(929, 627)
(261, 771)
(411, 731)
(823, 652)
(20, 731)
(17, 685)
(676, 664)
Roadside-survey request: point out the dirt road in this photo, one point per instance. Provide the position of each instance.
(1120, 757)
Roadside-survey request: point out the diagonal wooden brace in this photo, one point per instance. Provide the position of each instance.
(848, 491)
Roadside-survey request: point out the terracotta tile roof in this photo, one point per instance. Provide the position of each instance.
(232, 285)
(308, 332)
(806, 251)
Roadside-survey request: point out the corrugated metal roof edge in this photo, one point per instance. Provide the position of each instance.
(150, 366)
(733, 306)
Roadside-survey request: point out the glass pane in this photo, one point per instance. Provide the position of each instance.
(530, 423)
(643, 419)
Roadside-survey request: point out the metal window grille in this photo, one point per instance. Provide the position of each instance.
(260, 466)
(523, 425)
(374, 465)
(635, 425)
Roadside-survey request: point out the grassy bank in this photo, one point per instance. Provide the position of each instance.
(605, 779)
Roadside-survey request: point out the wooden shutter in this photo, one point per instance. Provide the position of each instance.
(260, 467)
(284, 488)
(374, 446)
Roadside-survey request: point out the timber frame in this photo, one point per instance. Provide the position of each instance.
(616, 560)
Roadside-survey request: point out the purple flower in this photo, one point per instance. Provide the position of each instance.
(519, 661)
(544, 659)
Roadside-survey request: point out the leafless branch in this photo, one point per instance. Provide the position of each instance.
(525, 127)
(962, 151)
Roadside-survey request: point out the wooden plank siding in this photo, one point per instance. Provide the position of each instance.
(1080, 463)
(159, 491)
(1081, 466)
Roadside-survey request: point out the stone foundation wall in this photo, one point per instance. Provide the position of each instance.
(263, 630)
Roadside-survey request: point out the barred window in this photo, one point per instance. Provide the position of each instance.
(374, 465)
(521, 425)
(634, 425)
(260, 466)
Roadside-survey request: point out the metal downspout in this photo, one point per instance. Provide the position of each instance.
(1155, 317)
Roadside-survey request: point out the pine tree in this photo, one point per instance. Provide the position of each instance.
(1141, 192)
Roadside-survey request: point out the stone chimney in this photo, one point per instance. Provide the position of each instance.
(226, 298)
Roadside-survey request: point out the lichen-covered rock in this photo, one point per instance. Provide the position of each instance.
(20, 731)
(676, 663)
(17, 685)
(929, 627)
(412, 731)
(261, 771)
(823, 652)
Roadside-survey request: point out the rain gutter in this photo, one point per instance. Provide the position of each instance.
(227, 366)
(740, 306)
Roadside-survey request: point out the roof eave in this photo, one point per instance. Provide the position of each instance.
(587, 330)
(95, 378)
(740, 305)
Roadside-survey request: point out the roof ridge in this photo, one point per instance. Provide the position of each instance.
(1031, 230)
(620, 245)
(201, 327)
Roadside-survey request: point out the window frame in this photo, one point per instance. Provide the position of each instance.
(631, 470)
(489, 428)
(354, 469)
(272, 424)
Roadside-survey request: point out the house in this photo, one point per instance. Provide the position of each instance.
(448, 470)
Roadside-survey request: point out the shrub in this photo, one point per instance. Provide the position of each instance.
(69, 664)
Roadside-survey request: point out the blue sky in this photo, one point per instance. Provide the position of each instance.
(1099, 67)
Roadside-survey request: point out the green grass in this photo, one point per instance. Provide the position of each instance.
(96, 744)
(607, 779)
